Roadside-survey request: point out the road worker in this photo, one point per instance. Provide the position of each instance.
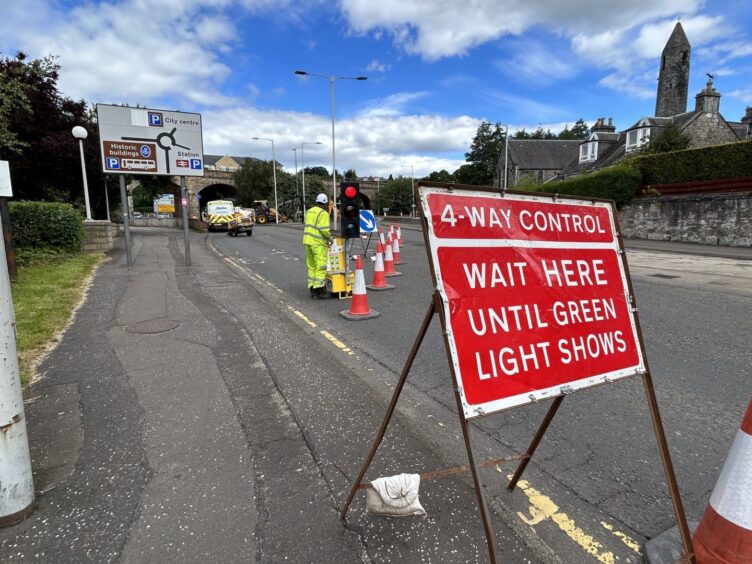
(316, 240)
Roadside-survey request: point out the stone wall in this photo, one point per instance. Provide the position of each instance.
(710, 129)
(710, 219)
(98, 236)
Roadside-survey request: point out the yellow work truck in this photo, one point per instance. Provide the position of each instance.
(219, 213)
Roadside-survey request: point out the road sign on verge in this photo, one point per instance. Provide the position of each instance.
(367, 221)
(5, 186)
(534, 294)
(144, 141)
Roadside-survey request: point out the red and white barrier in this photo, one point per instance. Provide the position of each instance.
(379, 277)
(725, 532)
(359, 308)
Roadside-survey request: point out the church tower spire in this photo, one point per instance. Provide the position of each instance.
(673, 80)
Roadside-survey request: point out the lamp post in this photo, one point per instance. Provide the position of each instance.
(80, 133)
(506, 157)
(274, 174)
(334, 166)
(295, 152)
(302, 168)
(412, 188)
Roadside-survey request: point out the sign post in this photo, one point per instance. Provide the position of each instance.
(148, 141)
(535, 302)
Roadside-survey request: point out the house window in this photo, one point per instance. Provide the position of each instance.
(588, 151)
(637, 138)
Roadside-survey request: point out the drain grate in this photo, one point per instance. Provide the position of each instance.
(159, 325)
(668, 276)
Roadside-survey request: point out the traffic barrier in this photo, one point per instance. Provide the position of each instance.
(725, 532)
(389, 260)
(396, 252)
(359, 308)
(379, 278)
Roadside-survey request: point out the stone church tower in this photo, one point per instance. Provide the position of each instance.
(673, 80)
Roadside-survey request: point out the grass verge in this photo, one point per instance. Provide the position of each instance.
(44, 298)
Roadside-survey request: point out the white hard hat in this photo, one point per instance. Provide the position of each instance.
(321, 199)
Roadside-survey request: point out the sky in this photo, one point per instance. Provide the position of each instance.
(436, 68)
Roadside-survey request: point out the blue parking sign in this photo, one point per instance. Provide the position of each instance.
(113, 164)
(155, 119)
(196, 164)
(367, 221)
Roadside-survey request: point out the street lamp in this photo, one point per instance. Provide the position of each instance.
(274, 174)
(334, 167)
(506, 157)
(80, 133)
(302, 167)
(295, 151)
(412, 187)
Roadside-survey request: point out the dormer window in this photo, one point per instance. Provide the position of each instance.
(588, 151)
(636, 138)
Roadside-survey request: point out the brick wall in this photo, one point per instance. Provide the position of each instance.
(710, 219)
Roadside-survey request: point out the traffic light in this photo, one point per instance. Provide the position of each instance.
(350, 200)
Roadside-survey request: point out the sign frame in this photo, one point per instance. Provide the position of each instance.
(437, 307)
(150, 141)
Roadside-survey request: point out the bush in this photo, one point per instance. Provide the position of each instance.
(706, 163)
(46, 225)
(619, 183)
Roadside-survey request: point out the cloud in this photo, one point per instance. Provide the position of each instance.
(531, 61)
(525, 108)
(376, 66)
(370, 144)
(435, 29)
(392, 105)
(745, 95)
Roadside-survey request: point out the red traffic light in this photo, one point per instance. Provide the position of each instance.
(351, 192)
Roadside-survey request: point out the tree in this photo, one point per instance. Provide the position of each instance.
(350, 174)
(317, 171)
(579, 130)
(670, 138)
(484, 154)
(396, 195)
(35, 135)
(254, 181)
(440, 176)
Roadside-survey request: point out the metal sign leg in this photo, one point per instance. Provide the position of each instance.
(535, 442)
(390, 410)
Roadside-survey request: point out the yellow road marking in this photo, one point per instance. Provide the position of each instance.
(629, 541)
(542, 508)
(336, 342)
(301, 315)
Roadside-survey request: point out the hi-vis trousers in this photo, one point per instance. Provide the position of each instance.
(316, 257)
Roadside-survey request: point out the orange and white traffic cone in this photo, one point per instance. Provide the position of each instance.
(399, 233)
(379, 278)
(359, 308)
(725, 532)
(396, 252)
(392, 233)
(381, 236)
(389, 260)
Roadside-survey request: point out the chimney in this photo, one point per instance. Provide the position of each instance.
(708, 100)
(600, 126)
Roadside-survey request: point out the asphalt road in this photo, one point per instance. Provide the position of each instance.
(595, 489)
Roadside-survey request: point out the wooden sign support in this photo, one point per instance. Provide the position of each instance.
(437, 307)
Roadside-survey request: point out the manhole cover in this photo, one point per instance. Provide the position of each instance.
(669, 276)
(153, 326)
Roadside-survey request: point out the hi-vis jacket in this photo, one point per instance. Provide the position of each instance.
(316, 230)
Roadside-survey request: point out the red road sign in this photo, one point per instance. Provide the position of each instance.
(535, 295)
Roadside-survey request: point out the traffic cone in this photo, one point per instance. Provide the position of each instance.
(399, 233)
(725, 532)
(381, 236)
(379, 278)
(396, 252)
(392, 234)
(389, 260)
(359, 308)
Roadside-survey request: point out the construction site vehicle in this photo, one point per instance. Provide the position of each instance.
(219, 213)
(265, 214)
(241, 222)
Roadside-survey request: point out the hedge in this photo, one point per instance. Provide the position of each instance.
(706, 163)
(38, 225)
(619, 183)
